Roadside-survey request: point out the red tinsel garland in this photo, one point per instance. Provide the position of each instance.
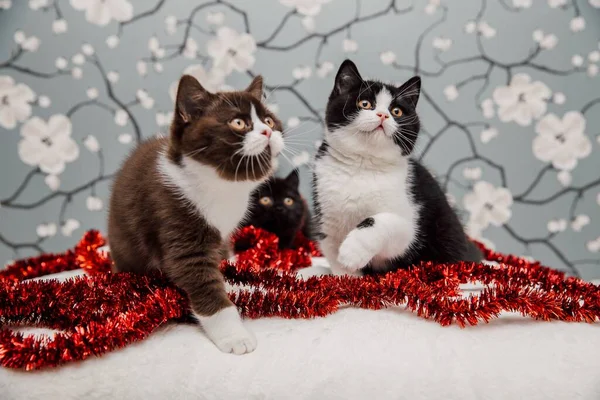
(102, 311)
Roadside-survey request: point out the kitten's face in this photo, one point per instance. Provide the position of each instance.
(230, 131)
(278, 202)
(370, 114)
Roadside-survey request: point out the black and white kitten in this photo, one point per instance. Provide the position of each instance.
(278, 207)
(377, 209)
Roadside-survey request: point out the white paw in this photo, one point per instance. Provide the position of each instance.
(227, 331)
(236, 343)
(356, 251)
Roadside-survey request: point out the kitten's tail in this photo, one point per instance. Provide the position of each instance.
(473, 253)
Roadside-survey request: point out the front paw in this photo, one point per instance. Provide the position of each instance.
(227, 331)
(239, 342)
(356, 252)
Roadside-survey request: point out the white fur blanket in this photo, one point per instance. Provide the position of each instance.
(353, 354)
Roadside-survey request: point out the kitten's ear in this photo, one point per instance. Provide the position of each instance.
(293, 179)
(410, 90)
(347, 77)
(191, 98)
(256, 87)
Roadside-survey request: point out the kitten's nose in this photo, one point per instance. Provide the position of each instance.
(267, 133)
(382, 116)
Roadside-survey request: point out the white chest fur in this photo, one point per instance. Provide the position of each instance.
(222, 203)
(349, 192)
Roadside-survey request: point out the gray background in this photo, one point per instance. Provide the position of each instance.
(452, 127)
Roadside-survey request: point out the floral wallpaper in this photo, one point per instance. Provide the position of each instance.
(510, 103)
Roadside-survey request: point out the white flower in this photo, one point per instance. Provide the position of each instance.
(538, 35)
(112, 41)
(158, 67)
(59, 26)
(318, 144)
(19, 37)
(125, 138)
(77, 73)
(61, 63)
(212, 80)
(305, 7)
(144, 98)
(92, 93)
(31, 43)
(94, 203)
(112, 76)
(301, 159)
(171, 25)
(301, 72)
(5, 4)
(564, 178)
(215, 18)
(387, 57)
(559, 98)
(46, 230)
(15, 102)
(592, 70)
(190, 50)
(595, 3)
(231, 50)
(53, 182)
(487, 108)
(522, 3)
(87, 49)
(557, 3)
(470, 26)
(274, 108)
(164, 119)
(442, 43)
(522, 101)
(579, 222)
(142, 68)
(486, 30)
(324, 69)
(430, 9)
(549, 42)
(349, 46)
(598, 199)
(594, 245)
(293, 122)
(121, 117)
(594, 56)
(48, 144)
(37, 4)
(309, 24)
(488, 134)
(69, 227)
(101, 12)
(562, 142)
(44, 101)
(577, 60)
(78, 59)
(155, 48)
(472, 174)
(556, 226)
(488, 204)
(91, 143)
(577, 24)
(451, 92)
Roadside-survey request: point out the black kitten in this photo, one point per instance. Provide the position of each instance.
(377, 208)
(277, 206)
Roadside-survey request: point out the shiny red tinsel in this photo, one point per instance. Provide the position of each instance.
(102, 311)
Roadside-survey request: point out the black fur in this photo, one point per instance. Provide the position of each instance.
(441, 236)
(283, 220)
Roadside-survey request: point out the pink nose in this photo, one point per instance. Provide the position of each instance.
(267, 133)
(382, 116)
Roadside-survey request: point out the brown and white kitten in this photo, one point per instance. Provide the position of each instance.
(176, 201)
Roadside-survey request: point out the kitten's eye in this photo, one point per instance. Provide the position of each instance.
(364, 104)
(396, 112)
(269, 121)
(288, 202)
(266, 201)
(237, 124)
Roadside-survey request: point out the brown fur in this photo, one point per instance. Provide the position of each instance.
(150, 226)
